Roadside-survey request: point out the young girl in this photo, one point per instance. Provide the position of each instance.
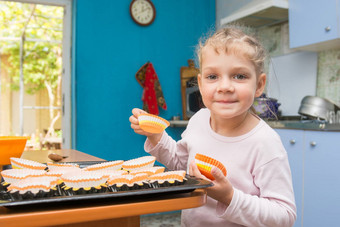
(258, 188)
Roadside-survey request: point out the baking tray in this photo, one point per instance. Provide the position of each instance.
(191, 184)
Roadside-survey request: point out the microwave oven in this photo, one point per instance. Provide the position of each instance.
(193, 100)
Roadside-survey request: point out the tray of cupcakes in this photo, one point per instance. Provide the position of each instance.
(26, 182)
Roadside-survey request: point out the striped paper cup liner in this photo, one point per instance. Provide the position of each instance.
(33, 184)
(169, 176)
(111, 165)
(109, 172)
(20, 163)
(139, 163)
(13, 175)
(205, 164)
(128, 180)
(139, 178)
(52, 165)
(58, 172)
(83, 179)
(150, 171)
(152, 123)
(119, 180)
(180, 172)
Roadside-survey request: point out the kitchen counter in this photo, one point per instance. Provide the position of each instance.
(304, 125)
(313, 125)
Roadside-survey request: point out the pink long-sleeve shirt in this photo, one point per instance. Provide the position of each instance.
(257, 166)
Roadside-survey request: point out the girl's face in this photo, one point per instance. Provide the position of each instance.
(228, 83)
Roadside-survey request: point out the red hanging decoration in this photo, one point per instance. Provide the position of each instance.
(152, 94)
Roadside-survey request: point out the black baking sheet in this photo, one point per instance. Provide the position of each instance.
(191, 184)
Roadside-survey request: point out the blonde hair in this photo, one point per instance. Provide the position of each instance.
(233, 40)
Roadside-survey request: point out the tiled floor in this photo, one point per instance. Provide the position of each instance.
(172, 219)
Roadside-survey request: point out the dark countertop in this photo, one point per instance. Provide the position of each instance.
(313, 125)
(304, 125)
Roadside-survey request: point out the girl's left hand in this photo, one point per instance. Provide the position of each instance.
(222, 190)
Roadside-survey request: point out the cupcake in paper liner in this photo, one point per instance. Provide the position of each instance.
(205, 164)
(111, 165)
(150, 171)
(166, 179)
(128, 182)
(83, 182)
(139, 163)
(52, 165)
(20, 163)
(152, 123)
(33, 187)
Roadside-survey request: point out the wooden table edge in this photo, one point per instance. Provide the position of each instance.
(95, 213)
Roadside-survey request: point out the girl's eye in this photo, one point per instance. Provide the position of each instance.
(211, 77)
(240, 77)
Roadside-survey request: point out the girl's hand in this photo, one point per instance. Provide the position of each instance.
(154, 138)
(222, 190)
(134, 122)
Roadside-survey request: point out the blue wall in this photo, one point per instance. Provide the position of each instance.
(109, 49)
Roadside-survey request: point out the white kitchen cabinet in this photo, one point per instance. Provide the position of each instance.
(253, 13)
(314, 25)
(314, 158)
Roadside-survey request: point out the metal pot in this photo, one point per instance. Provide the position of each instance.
(316, 107)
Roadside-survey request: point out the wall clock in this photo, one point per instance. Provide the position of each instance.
(143, 12)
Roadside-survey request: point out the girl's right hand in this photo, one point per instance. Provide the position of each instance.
(134, 122)
(154, 138)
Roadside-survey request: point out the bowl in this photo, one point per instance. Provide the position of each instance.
(316, 107)
(11, 146)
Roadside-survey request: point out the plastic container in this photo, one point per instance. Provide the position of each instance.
(11, 146)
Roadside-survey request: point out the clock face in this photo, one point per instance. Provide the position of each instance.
(142, 12)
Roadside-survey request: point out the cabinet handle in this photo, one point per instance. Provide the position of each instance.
(328, 28)
(313, 143)
(292, 141)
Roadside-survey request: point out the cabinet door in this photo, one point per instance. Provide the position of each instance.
(322, 179)
(293, 142)
(309, 21)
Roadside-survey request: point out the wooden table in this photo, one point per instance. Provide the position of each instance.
(72, 155)
(108, 213)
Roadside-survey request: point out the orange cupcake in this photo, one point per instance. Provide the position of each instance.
(152, 123)
(205, 164)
